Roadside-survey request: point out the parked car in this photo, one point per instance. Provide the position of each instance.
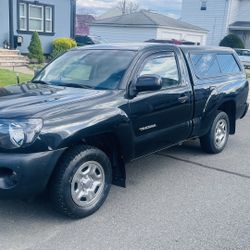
(88, 40)
(244, 55)
(72, 129)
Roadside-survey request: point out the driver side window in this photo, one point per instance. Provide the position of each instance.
(164, 66)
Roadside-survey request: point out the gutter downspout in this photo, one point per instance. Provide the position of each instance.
(73, 18)
(11, 28)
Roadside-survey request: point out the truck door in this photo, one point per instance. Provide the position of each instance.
(164, 117)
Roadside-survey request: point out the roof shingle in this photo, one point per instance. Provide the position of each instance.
(146, 18)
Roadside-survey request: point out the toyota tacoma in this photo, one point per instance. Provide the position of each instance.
(71, 130)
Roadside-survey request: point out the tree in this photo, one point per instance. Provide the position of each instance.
(232, 41)
(35, 49)
(127, 6)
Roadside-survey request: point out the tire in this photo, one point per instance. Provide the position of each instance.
(81, 182)
(216, 139)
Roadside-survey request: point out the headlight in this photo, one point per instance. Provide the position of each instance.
(19, 133)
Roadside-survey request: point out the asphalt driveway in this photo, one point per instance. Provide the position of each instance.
(177, 199)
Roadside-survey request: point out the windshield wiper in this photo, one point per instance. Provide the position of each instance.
(40, 81)
(74, 85)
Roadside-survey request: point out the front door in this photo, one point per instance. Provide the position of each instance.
(162, 118)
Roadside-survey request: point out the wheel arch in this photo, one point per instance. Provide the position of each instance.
(229, 107)
(208, 115)
(110, 145)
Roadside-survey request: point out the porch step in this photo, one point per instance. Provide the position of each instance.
(9, 52)
(12, 58)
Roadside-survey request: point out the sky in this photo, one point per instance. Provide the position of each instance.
(97, 7)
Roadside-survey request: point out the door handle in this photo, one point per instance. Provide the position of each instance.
(183, 99)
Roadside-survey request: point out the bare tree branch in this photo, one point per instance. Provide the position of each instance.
(127, 6)
(132, 7)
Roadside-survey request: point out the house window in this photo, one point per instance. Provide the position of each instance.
(35, 17)
(203, 4)
(48, 19)
(23, 16)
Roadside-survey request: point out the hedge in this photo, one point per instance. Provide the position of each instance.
(61, 45)
(232, 41)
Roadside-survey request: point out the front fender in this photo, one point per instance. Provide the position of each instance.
(63, 133)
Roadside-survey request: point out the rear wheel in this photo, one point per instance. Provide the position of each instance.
(82, 181)
(216, 139)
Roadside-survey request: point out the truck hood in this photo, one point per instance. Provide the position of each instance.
(30, 100)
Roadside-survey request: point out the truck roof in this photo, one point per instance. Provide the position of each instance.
(187, 48)
(141, 46)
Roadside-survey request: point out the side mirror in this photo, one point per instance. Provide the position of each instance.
(148, 83)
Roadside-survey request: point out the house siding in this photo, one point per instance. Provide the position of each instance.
(233, 11)
(214, 19)
(244, 11)
(4, 16)
(135, 34)
(123, 34)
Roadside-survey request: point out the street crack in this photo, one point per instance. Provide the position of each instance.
(204, 166)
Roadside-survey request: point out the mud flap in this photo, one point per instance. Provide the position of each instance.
(119, 172)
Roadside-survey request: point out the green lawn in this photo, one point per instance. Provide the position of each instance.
(8, 77)
(248, 75)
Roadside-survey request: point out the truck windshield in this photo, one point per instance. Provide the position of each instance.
(95, 69)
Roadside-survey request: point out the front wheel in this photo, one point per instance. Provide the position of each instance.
(216, 139)
(82, 181)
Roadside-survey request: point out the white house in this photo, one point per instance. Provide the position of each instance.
(145, 25)
(219, 17)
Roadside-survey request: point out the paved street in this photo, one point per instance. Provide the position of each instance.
(177, 199)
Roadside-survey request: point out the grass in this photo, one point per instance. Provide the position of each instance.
(36, 66)
(248, 75)
(8, 77)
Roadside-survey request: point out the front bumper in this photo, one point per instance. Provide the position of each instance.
(26, 175)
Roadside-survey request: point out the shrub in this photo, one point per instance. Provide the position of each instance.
(232, 41)
(61, 45)
(35, 49)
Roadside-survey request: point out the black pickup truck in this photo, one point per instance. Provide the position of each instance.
(71, 130)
